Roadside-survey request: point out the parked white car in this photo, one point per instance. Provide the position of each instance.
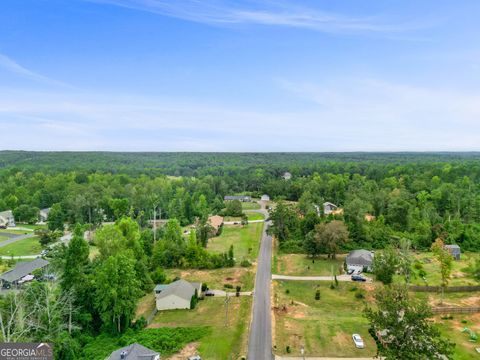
(357, 339)
(196, 357)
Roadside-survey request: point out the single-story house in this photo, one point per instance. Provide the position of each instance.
(265, 197)
(177, 295)
(23, 270)
(454, 250)
(359, 260)
(242, 198)
(329, 208)
(43, 215)
(134, 351)
(7, 218)
(216, 221)
(287, 176)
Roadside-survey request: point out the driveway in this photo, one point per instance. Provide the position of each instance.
(15, 239)
(239, 222)
(20, 257)
(345, 278)
(260, 340)
(221, 293)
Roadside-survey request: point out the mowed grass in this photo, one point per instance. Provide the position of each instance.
(301, 265)
(461, 270)
(224, 341)
(28, 246)
(245, 241)
(217, 278)
(2, 238)
(452, 329)
(324, 326)
(14, 231)
(250, 206)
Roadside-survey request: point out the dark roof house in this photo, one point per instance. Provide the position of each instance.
(360, 259)
(177, 295)
(22, 269)
(244, 198)
(134, 351)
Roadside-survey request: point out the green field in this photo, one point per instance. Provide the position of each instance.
(2, 238)
(254, 216)
(245, 241)
(28, 246)
(324, 326)
(223, 341)
(461, 270)
(452, 329)
(250, 206)
(14, 231)
(301, 265)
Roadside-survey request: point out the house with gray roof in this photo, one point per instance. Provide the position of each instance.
(134, 351)
(359, 260)
(454, 250)
(23, 269)
(7, 218)
(177, 295)
(242, 198)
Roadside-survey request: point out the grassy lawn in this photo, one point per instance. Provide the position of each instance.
(301, 265)
(451, 329)
(324, 326)
(250, 206)
(32, 227)
(145, 305)
(216, 279)
(461, 274)
(254, 216)
(29, 246)
(223, 341)
(2, 238)
(12, 231)
(457, 299)
(245, 241)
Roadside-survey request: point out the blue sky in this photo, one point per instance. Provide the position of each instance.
(231, 75)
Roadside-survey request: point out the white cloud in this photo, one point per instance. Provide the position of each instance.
(288, 14)
(12, 66)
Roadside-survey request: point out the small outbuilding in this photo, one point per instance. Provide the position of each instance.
(359, 260)
(287, 176)
(216, 222)
(455, 250)
(265, 197)
(134, 351)
(177, 295)
(331, 209)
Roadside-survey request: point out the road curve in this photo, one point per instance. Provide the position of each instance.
(260, 341)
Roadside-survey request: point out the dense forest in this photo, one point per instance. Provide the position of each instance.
(384, 198)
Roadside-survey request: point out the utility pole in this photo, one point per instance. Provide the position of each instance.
(302, 351)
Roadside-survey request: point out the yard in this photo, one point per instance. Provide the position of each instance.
(250, 216)
(301, 265)
(217, 278)
(324, 326)
(250, 206)
(9, 232)
(28, 246)
(461, 270)
(245, 241)
(223, 341)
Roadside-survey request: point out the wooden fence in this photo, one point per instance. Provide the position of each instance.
(455, 310)
(438, 289)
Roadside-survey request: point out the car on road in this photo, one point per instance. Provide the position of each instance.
(358, 341)
(196, 357)
(358, 278)
(209, 293)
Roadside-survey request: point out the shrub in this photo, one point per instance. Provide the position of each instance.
(204, 287)
(464, 321)
(245, 263)
(140, 323)
(332, 286)
(353, 288)
(417, 265)
(360, 295)
(287, 291)
(317, 294)
(287, 349)
(422, 273)
(228, 286)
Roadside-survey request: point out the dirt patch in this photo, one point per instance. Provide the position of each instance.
(189, 350)
(471, 301)
(342, 339)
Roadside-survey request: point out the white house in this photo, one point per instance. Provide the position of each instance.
(287, 176)
(265, 197)
(177, 295)
(43, 215)
(7, 218)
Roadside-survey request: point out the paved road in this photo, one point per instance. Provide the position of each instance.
(260, 341)
(20, 257)
(15, 239)
(315, 278)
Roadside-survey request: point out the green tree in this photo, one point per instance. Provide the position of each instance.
(26, 214)
(404, 326)
(385, 265)
(76, 260)
(445, 261)
(117, 290)
(56, 218)
(330, 237)
(233, 208)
